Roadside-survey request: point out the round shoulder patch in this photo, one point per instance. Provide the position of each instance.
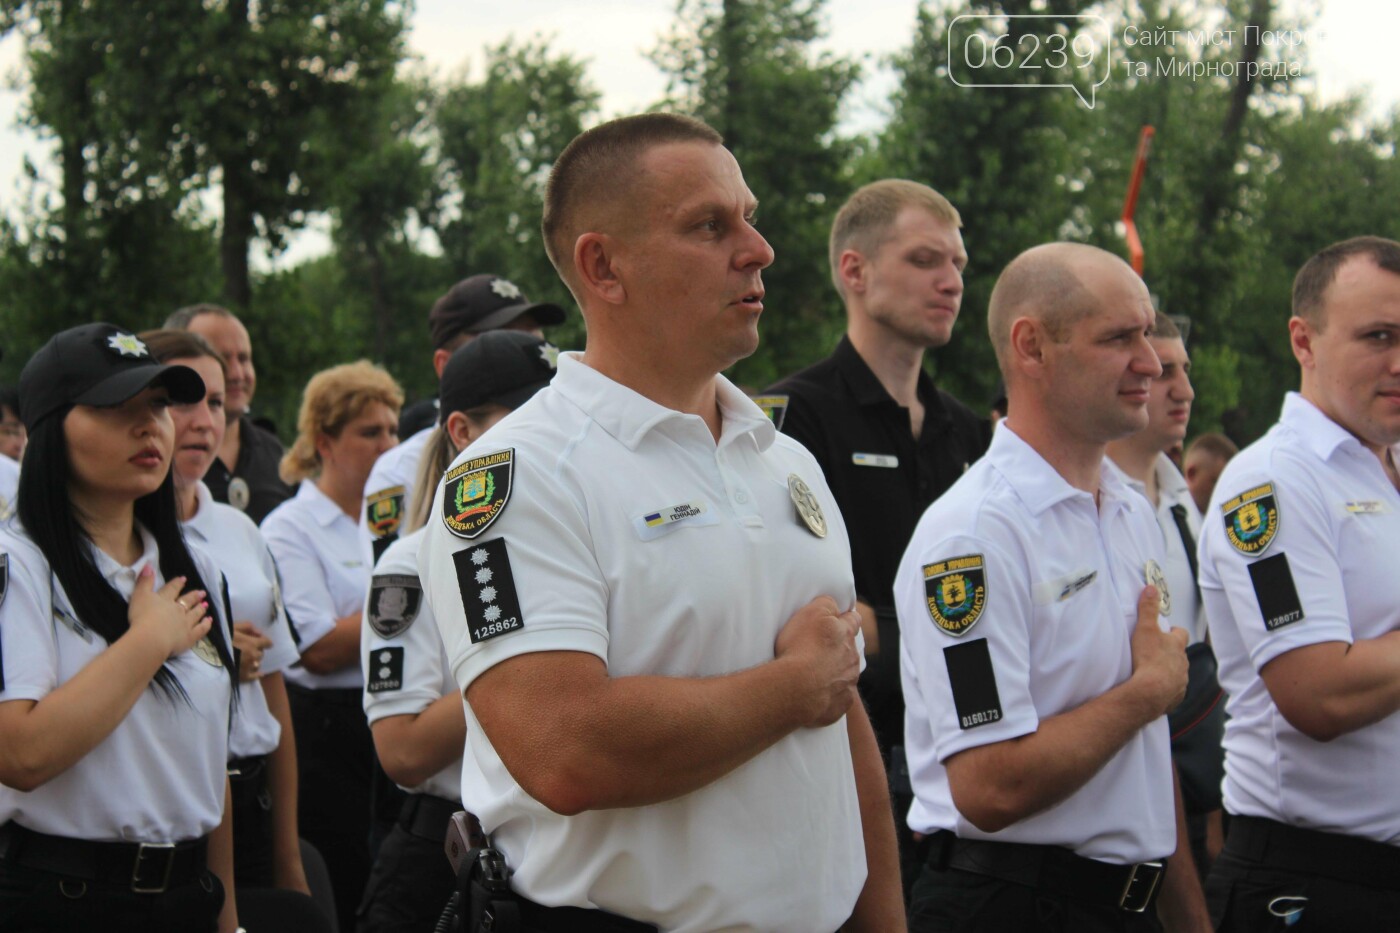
(956, 592)
(1251, 519)
(384, 511)
(394, 599)
(475, 493)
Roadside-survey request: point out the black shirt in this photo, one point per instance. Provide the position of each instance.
(883, 480)
(259, 453)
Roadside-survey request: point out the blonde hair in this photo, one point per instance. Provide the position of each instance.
(437, 456)
(863, 223)
(333, 398)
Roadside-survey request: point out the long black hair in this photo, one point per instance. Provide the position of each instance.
(53, 523)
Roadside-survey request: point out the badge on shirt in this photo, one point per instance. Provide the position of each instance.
(1365, 507)
(204, 650)
(385, 670)
(475, 493)
(393, 603)
(384, 511)
(888, 461)
(774, 406)
(657, 522)
(487, 586)
(956, 592)
(1152, 574)
(808, 508)
(239, 494)
(1251, 519)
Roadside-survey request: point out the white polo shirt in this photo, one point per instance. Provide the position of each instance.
(1318, 528)
(159, 776)
(9, 487)
(630, 534)
(324, 574)
(389, 489)
(1041, 588)
(401, 654)
(231, 539)
(1173, 493)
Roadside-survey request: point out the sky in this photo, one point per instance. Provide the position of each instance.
(1348, 49)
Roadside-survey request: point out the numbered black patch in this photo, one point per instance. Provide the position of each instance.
(394, 599)
(385, 670)
(487, 585)
(974, 685)
(1278, 596)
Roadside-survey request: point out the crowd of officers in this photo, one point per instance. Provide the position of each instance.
(645, 651)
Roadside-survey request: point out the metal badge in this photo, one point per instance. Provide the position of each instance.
(808, 508)
(238, 493)
(204, 649)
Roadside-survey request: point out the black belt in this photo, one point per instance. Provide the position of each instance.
(1131, 888)
(1314, 852)
(148, 868)
(427, 816)
(537, 918)
(328, 696)
(245, 769)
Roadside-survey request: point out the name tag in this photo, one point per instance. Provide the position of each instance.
(658, 522)
(1062, 588)
(888, 461)
(1366, 507)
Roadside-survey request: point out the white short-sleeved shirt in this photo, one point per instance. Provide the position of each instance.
(9, 487)
(1173, 493)
(630, 534)
(1298, 549)
(234, 543)
(401, 654)
(389, 490)
(159, 776)
(1040, 586)
(324, 574)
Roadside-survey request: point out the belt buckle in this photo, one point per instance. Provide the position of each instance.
(1140, 887)
(141, 884)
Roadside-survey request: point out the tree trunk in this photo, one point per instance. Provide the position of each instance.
(237, 231)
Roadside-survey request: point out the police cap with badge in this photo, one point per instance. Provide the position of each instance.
(483, 303)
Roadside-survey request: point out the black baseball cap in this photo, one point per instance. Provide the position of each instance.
(503, 367)
(96, 364)
(485, 302)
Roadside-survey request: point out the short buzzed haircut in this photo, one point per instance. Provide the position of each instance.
(1043, 280)
(1164, 328)
(1214, 443)
(597, 166)
(863, 223)
(1318, 273)
(181, 318)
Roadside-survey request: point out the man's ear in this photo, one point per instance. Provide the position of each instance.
(851, 270)
(1300, 339)
(1028, 341)
(595, 263)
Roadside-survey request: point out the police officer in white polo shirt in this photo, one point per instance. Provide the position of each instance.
(1037, 670)
(1299, 579)
(645, 591)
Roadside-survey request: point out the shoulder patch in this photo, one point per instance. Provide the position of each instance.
(956, 592)
(384, 511)
(774, 406)
(487, 585)
(475, 493)
(385, 670)
(1251, 519)
(394, 599)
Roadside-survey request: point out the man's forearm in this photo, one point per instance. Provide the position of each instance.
(880, 908)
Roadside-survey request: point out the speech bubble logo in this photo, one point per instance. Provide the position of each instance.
(1031, 50)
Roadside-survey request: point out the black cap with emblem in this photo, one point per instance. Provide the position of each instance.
(483, 303)
(504, 367)
(99, 365)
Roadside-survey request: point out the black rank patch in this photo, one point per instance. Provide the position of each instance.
(488, 590)
(1277, 595)
(774, 406)
(385, 670)
(476, 492)
(974, 685)
(393, 603)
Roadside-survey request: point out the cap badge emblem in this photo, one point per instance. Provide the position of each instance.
(550, 354)
(126, 345)
(505, 288)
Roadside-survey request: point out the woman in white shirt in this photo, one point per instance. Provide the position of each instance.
(116, 674)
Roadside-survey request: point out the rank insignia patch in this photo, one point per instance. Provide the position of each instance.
(385, 670)
(488, 593)
(973, 682)
(384, 511)
(956, 592)
(475, 493)
(393, 603)
(1251, 519)
(1152, 573)
(774, 406)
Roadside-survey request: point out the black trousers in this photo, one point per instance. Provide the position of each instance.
(335, 758)
(37, 901)
(411, 881)
(252, 822)
(953, 901)
(1262, 884)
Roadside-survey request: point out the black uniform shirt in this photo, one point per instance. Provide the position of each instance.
(259, 453)
(883, 479)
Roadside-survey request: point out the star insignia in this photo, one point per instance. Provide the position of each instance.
(488, 594)
(479, 556)
(505, 288)
(483, 575)
(550, 354)
(492, 613)
(127, 345)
